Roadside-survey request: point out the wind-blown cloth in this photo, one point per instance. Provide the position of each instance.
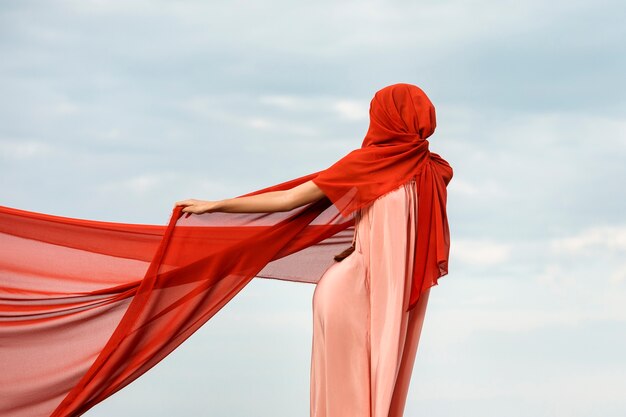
(86, 307)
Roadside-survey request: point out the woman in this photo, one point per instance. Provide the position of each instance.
(365, 336)
(87, 307)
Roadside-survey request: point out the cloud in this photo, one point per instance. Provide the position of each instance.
(606, 237)
(24, 149)
(488, 189)
(604, 245)
(289, 102)
(352, 109)
(480, 252)
(226, 109)
(348, 109)
(65, 107)
(280, 126)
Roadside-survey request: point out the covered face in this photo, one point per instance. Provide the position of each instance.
(400, 113)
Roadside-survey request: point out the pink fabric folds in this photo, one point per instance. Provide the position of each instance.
(364, 342)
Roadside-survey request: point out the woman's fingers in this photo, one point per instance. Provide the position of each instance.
(193, 206)
(186, 202)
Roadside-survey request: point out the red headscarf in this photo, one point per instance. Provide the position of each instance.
(86, 307)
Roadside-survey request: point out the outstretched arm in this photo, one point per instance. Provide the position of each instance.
(272, 201)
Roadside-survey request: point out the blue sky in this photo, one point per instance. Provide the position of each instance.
(113, 110)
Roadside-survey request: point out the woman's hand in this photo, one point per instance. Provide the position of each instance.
(196, 206)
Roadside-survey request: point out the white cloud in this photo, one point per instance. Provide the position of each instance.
(452, 326)
(137, 184)
(260, 123)
(279, 126)
(216, 108)
(608, 237)
(552, 392)
(65, 107)
(24, 149)
(104, 7)
(287, 102)
(480, 252)
(113, 134)
(344, 108)
(489, 188)
(559, 278)
(604, 246)
(618, 275)
(352, 109)
(273, 319)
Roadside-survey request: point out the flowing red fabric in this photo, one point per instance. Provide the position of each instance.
(86, 307)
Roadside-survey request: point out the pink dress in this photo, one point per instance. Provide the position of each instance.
(364, 343)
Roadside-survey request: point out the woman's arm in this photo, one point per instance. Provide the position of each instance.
(272, 201)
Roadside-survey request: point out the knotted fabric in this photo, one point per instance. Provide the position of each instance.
(86, 307)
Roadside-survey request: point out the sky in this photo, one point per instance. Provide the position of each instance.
(114, 110)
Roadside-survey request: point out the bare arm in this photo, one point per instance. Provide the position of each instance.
(272, 201)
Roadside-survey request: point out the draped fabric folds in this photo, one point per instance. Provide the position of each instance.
(394, 150)
(86, 307)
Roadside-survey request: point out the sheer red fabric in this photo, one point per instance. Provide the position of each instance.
(86, 307)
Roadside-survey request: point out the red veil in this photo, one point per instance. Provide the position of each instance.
(86, 307)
